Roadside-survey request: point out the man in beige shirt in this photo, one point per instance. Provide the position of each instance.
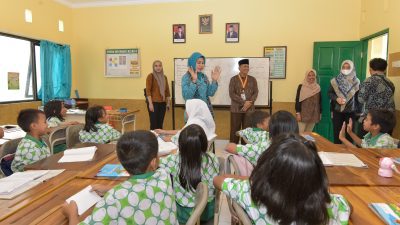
(243, 91)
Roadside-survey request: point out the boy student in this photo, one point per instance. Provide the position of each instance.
(147, 197)
(257, 136)
(31, 148)
(377, 123)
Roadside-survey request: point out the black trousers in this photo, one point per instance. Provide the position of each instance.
(157, 117)
(337, 119)
(238, 121)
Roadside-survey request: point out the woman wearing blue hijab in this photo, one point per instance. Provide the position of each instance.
(195, 84)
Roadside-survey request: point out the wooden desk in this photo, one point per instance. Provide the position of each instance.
(360, 197)
(104, 153)
(11, 206)
(120, 119)
(345, 175)
(48, 209)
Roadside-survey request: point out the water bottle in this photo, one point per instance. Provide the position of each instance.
(73, 103)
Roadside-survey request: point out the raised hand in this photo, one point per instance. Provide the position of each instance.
(216, 73)
(342, 133)
(193, 74)
(350, 126)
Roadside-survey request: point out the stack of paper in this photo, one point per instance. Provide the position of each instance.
(78, 154)
(340, 159)
(85, 199)
(165, 148)
(13, 133)
(20, 182)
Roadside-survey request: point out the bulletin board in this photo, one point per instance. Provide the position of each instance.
(122, 62)
(394, 65)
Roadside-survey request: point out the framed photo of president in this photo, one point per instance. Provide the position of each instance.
(232, 32)
(178, 33)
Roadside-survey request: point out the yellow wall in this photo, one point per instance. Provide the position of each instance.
(377, 16)
(296, 24)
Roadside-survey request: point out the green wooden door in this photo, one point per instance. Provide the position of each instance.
(328, 57)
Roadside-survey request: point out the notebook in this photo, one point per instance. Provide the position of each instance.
(164, 148)
(20, 182)
(112, 170)
(388, 212)
(78, 154)
(340, 159)
(85, 199)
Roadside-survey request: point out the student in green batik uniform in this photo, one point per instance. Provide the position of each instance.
(96, 129)
(191, 166)
(289, 185)
(279, 123)
(31, 148)
(55, 114)
(147, 197)
(378, 124)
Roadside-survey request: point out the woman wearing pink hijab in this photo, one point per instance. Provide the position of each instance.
(308, 102)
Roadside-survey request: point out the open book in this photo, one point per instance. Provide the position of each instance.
(85, 199)
(78, 154)
(20, 182)
(388, 212)
(340, 159)
(164, 148)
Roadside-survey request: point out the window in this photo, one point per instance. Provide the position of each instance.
(377, 48)
(18, 73)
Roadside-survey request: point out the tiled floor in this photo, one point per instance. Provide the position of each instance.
(225, 215)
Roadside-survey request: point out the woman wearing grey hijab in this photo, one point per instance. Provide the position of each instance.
(158, 95)
(343, 93)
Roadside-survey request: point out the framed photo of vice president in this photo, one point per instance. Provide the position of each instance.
(232, 32)
(179, 33)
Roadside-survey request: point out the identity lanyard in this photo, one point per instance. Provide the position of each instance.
(243, 83)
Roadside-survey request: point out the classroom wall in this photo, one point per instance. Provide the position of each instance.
(377, 16)
(45, 16)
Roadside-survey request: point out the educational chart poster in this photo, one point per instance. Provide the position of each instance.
(13, 81)
(277, 56)
(122, 63)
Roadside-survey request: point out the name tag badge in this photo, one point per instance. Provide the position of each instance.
(243, 96)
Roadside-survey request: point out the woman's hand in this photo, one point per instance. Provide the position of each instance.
(193, 74)
(151, 107)
(298, 117)
(341, 101)
(216, 73)
(159, 131)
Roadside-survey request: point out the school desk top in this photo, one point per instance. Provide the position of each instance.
(104, 153)
(359, 198)
(48, 209)
(11, 206)
(350, 176)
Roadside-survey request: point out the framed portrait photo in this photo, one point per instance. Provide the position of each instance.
(232, 32)
(205, 24)
(179, 33)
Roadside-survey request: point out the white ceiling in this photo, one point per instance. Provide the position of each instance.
(102, 3)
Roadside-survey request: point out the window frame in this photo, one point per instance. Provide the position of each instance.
(33, 79)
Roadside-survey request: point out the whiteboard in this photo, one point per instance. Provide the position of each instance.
(259, 68)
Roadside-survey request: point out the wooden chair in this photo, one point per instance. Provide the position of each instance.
(242, 215)
(9, 147)
(129, 118)
(57, 136)
(231, 167)
(211, 144)
(72, 135)
(200, 204)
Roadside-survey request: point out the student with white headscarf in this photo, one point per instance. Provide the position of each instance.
(308, 102)
(158, 95)
(197, 113)
(343, 93)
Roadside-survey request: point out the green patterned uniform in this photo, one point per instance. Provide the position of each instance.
(53, 122)
(104, 134)
(186, 199)
(382, 140)
(29, 150)
(254, 135)
(143, 199)
(239, 191)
